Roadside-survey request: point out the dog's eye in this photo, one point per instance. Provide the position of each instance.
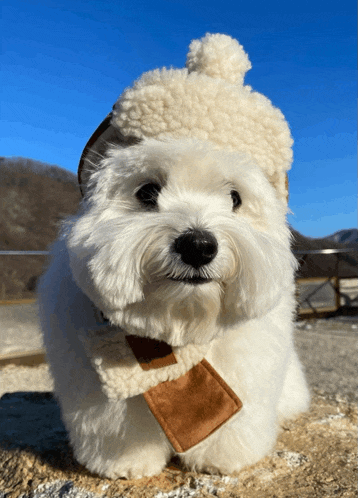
(236, 199)
(148, 194)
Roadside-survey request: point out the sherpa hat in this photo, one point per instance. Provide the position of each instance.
(206, 100)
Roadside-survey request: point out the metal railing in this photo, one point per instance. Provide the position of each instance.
(325, 251)
(311, 292)
(21, 253)
(314, 288)
(327, 294)
(309, 251)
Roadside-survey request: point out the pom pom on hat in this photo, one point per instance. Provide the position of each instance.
(218, 56)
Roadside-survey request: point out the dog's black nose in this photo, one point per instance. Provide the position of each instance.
(196, 247)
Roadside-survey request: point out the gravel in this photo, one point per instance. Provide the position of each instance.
(328, 351)
(25, 379)
(20, 329)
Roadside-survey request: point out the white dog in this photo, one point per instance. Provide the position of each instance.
(182, 241)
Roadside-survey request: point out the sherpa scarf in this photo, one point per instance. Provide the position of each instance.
(183, 391)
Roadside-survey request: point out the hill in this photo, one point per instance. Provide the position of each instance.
(36, 197)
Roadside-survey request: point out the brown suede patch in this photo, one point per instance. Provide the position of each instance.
(193, 406)
(151, 353)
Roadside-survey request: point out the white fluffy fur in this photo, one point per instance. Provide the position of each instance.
(115, 256)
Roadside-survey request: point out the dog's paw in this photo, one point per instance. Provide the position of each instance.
(134, 470)
(211, 466)
(227, 451)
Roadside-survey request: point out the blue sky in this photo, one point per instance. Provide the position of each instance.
(66, 62)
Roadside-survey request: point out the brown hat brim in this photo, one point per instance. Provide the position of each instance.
(105, 134)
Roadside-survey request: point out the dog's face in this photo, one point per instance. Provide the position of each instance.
(178, 240)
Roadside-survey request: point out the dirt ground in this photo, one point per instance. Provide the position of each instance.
(315, 456)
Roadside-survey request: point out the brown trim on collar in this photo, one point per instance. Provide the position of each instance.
(193, 406)
(151, 353)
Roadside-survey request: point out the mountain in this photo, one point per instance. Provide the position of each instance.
(303, 243)
(348, 237)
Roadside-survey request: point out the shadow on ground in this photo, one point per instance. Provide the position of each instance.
(31, 422)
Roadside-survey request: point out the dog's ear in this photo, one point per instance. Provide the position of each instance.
(279, 180)
(105, 136)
